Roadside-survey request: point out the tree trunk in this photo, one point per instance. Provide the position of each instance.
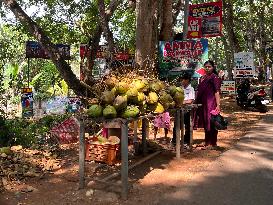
(63, 67)
(262, 39)
(228, 21)
(145, 53)
(93, 43)
(233, 43)
(166, 31)
(228, 58)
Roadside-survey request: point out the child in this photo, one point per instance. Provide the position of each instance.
(162, 121)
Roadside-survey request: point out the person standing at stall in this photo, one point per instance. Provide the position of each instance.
(208, 94)
(189, 97)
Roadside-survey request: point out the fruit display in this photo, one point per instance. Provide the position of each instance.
(129, 97)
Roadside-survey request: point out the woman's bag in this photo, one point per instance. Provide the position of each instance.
(219, 122)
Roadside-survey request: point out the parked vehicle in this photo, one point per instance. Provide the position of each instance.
(251, 99)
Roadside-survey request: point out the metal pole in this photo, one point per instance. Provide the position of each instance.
(191, 128)
(145, 134)
(186, 15)
(177, 133)
(124, 160)
(81, 155)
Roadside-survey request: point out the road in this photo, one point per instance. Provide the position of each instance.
(241, 176)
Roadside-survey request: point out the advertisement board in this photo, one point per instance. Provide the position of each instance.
(35, 50)
(178, 56)
(244, 65)
(205, 20)
(27, 102)
(228, 87)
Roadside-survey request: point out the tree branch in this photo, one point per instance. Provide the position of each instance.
(105, 25)
(62, 66)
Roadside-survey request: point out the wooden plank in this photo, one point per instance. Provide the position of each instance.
(81, 155)
(124, 160)
(177, 133)
(114, 175)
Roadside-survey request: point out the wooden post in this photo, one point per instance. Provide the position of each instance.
(145, 134)
(182, 128)
(135, 141)
(191, 128)
(124, 159)
(81, 155)
(177, 133)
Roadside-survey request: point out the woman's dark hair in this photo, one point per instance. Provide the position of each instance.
(213, 65)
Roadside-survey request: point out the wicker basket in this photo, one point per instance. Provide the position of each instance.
(106, 153)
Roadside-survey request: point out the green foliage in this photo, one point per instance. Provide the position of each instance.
(25, 132)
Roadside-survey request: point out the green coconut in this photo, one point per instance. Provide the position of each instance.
(95, 110)
(130, 112)
(161, 85)
(155, 87)
(107, 97)
(179, 99)
(131, 93)
(121, 88)
(152, 98)
(120, 102)
(146, 86)
(159, 108)
(179, 89)
(109, 112)
(172, 90)
(163, 97)
(138, 84)
(141, 97)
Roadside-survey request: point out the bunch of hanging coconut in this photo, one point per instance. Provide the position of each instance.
(128, 97)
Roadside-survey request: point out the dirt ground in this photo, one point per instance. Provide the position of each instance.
(55, 178)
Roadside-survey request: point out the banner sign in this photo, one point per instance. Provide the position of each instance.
(228, 87)
(205, 20)
(67, 131)
(103, 53)
(244, 65)
(35, 50)
(27, 102)
(178, 56)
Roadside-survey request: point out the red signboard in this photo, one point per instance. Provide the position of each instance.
(102, 53)
(205, 20)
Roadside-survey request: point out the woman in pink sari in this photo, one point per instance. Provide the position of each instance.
(208, 94)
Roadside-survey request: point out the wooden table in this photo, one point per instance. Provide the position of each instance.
(179, 120)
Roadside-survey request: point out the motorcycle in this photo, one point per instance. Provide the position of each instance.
(251, 99)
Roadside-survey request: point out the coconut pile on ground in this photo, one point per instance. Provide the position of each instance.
(131, 96)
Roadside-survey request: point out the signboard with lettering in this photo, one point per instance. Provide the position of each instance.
(205, 20)
(228, 87)
(35, 50)
(27, 102)
(175, 57)
(244, 65)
